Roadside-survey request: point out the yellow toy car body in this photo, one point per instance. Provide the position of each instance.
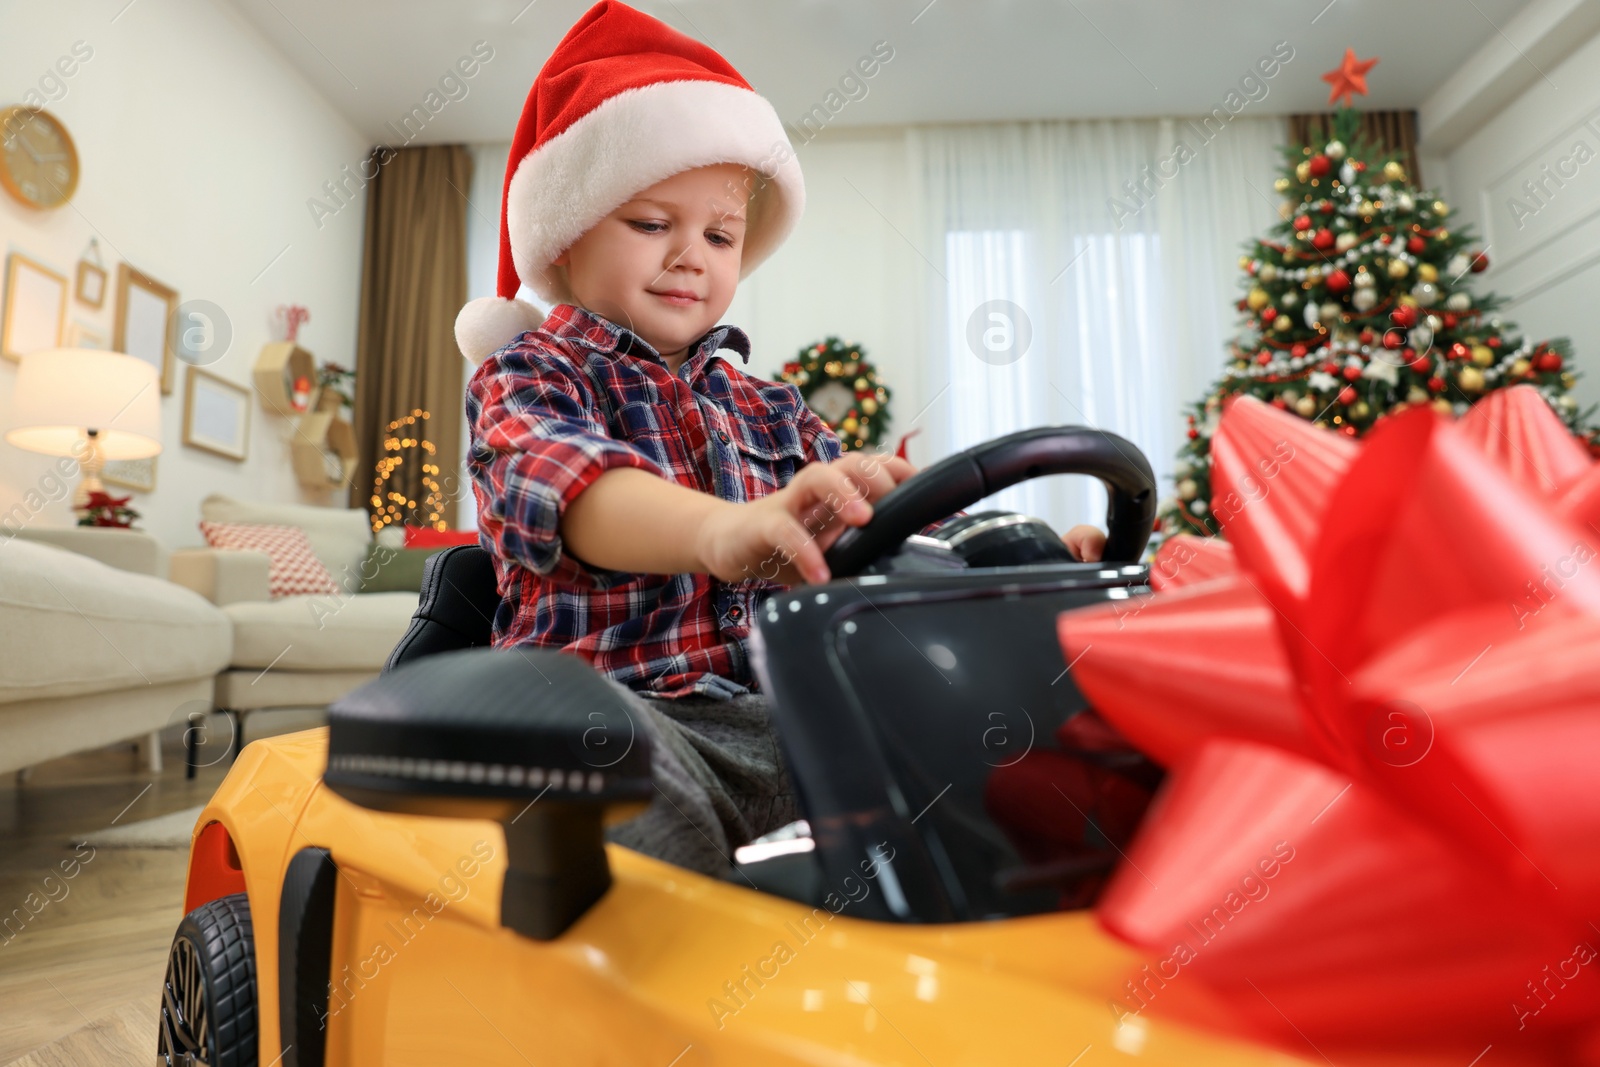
(669, 967)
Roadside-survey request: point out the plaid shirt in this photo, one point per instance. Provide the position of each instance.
(559, 406)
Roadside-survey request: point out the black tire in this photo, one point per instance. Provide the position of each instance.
(208, 998)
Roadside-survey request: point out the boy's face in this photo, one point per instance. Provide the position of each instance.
(684, 234)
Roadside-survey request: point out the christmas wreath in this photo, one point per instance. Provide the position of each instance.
(838, 383)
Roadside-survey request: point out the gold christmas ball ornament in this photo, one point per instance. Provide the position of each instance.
(1482, 355)
(1416, 395)
(1440, 208)
(1471, 379)
(1520, 367)
(1244, 262)
(1188, 489)
(1282, 324)
(870, 406)
(1306, 406)
(1393, 171)
(1302, 170)
(1406, 299)
(1567, 380)
(861, 383)
(1441, 234)
(1442, 406)
(1360, 409)
(1427, 272)
(1398, 268)
(849, 425)
(1256, 299)
(1282, 184)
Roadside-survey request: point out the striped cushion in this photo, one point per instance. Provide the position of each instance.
(294, 570)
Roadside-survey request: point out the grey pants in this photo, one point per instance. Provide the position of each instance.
(719, 779)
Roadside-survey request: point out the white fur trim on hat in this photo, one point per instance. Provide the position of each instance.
(489, 323)
(633, 140)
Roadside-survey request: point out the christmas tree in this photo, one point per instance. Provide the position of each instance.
(1356, 307)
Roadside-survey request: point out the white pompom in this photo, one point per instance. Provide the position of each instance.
(489, 323)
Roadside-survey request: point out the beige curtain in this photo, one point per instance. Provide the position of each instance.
(1392, 131)
(413, 281)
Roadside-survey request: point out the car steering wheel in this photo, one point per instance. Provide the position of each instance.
(963, 479)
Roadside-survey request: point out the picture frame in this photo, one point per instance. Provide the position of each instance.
(145, 308)
(137, 474)
(91, 287)
(82, 335)
(216, 415)
(35, 311)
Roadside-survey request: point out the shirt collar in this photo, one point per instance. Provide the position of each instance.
(569, 322)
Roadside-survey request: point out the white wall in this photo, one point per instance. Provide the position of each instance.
(1544, 248)
(199, 148)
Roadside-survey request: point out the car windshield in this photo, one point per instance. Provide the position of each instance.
(1023, 798)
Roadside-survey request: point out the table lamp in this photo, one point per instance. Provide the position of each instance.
(86, 403)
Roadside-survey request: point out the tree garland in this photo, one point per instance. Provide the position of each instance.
(838, 383)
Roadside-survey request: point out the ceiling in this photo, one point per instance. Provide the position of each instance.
(953, 60)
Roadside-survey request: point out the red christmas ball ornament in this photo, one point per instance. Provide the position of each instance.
(1280, 403)
(1297, 350)
(1393, 339)
(1358, 165)
(1347, 395)
(1460, 351)
(1347, 430)
(1326, 207)
(1352, 373)
(1193, 433)
(1322, 240)
(1418, 363)
(1328, 366)
(1319, 165)
(1416, 245)
(1366, 337)
(1268, 314)
(1338, 281)
(1449, 320)
(1404, 317)
(1480, 263)
(1302, 223)
(1436, 384)
(1494, 342)
(1549, 362)
(1264, 358)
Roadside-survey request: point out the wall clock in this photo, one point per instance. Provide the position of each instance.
(38, 161)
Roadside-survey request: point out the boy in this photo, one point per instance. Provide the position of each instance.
(641, 495)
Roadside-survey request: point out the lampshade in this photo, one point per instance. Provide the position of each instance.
(61, 393)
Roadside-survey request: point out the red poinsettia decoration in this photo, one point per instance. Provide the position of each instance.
(103, 509)
(1380, 709)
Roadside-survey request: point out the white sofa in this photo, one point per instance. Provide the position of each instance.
(99, 647)
(297, 651)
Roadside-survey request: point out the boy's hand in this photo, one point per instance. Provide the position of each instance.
(1086, 543)
(781, 537)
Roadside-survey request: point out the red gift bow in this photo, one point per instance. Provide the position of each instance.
(1381, 714)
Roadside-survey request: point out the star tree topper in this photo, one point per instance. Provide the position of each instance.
(1350, 77)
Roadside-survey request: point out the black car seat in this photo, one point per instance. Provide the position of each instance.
(457, 606)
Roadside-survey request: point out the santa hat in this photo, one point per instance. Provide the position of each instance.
(624, 102)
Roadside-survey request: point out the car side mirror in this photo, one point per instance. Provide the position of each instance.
(533, 739)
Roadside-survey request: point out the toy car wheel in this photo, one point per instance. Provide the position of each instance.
(208, 999)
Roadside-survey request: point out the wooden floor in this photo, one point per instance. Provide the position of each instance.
(80, 983)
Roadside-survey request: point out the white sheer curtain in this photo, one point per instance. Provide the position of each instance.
(483, 264)
(1059, 295)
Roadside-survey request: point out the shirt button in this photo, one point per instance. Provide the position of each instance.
(722, 435)
(734, 612)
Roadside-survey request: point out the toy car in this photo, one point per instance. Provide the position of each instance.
(426, 881)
